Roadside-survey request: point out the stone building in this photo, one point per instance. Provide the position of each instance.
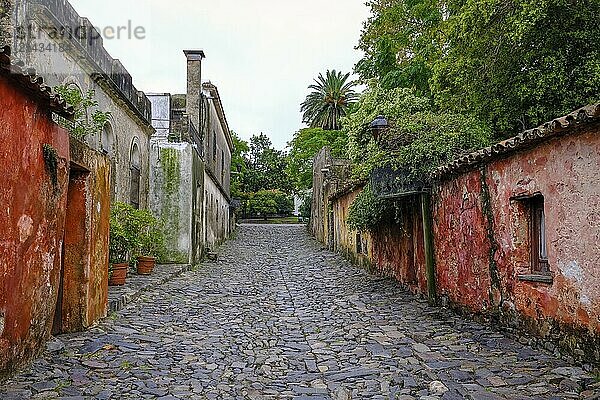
(191, 163)
(55, 220)
(516, 233)
(67, 50)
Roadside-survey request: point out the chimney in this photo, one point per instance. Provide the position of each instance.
(194, 85)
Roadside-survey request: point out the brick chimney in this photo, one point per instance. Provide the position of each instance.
(194, 84)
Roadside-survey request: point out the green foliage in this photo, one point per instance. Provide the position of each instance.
(399, 41)
(518, 64)
(239, 168)
(122, 236)
(88, 120)
(265, 203)
(303, 148)
(418, 139)
(150, 234)
(134, 233)
(367, 211)
(265, 167)
(513, 65)
(329, 100)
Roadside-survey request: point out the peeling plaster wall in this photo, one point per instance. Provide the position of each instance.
(482, 243)
(85, 292)
(68, 67)
(462, 246)
(32, 217)
(397, 248)
(394, 250)
(344, 238)
(171, 195)
(565, 172)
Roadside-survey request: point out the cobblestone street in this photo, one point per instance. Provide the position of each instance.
(278, 318)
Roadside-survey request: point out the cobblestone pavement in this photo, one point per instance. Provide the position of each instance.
(278, 318)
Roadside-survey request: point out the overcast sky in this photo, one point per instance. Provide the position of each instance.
(262, 54)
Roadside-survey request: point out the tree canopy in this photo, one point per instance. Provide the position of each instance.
(513, 64)
(303, 148)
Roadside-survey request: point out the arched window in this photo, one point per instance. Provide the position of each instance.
(108, 148)
(135, 166)
(107, 141)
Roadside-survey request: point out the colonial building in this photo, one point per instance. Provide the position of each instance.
(54, 220)
(66, 50)
(515, 230)
(191, 163)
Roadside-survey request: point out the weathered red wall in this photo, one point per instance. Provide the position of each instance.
(397, 248)
(462, 246)
(31, 221)
(481, 235)
(566, 172)
(85, 294)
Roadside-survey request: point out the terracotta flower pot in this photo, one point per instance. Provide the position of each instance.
(119, 274)
(145, 265)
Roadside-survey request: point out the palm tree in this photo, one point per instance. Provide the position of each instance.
(329, 100)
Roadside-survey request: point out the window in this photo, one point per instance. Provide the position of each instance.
(222, 165)
(531, 258)
(135, 165)
(537, 234)
(214, 145)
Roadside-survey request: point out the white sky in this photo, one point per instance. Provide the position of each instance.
(262, 54)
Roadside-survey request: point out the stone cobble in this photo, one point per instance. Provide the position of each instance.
(121, 296)
(276, 317)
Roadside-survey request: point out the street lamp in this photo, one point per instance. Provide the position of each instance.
(378, 127)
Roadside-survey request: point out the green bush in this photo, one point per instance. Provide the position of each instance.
(134, 233)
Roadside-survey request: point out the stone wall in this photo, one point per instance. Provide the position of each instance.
(32, 218)
(481, 226)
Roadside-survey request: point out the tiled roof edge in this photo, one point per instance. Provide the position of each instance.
(33, 83)
(526, 139)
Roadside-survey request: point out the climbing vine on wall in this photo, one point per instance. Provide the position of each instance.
(368, 212)
(419, 139)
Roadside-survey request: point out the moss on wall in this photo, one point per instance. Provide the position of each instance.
(171, 170)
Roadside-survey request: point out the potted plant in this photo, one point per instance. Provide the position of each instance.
(120, 244)
(150, 241)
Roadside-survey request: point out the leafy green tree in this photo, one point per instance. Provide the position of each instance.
(239, 167)
(512, 64)
(520, 63)
(400, 41)
(330, 99)
(303, 148)
(265, 203)
(266, 166)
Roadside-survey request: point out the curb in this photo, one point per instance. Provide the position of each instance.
(125, 299)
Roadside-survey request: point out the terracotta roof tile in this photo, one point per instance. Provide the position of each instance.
(559, 126)
(33, 83)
